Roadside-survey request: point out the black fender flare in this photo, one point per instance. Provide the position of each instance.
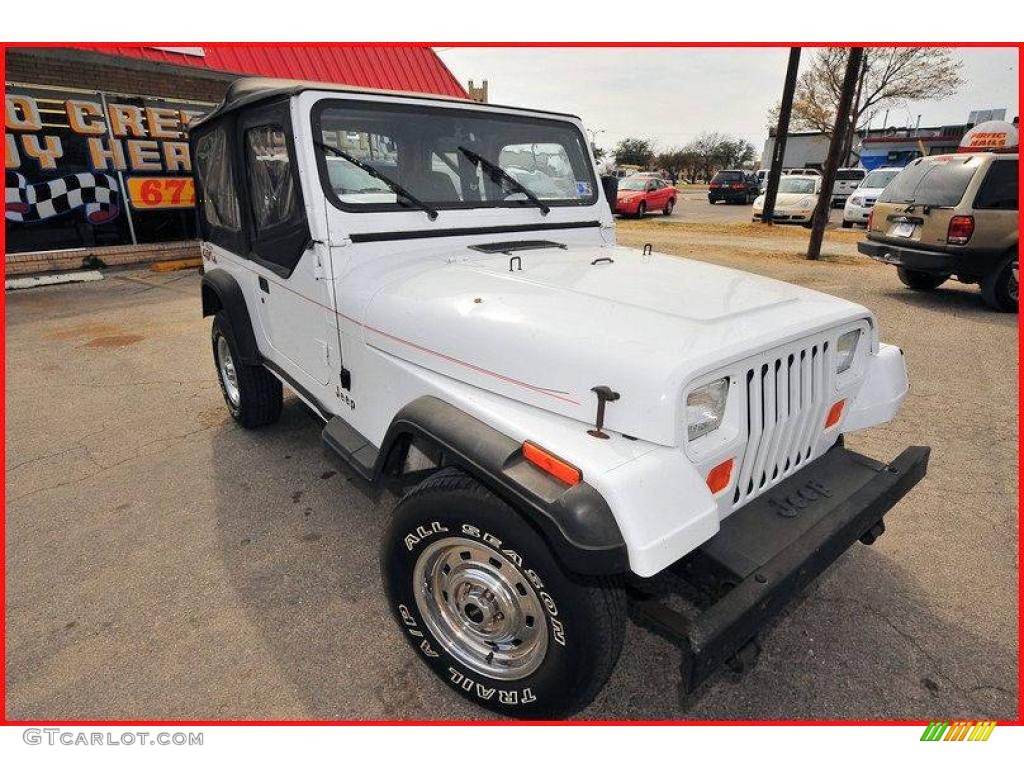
(576, 521)
(220, 291)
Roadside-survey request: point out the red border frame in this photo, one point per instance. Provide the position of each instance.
(560, 44)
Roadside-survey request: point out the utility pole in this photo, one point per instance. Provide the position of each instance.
(828, 180)
(781, 132)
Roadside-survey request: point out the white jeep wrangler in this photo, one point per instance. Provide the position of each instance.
(439, 281)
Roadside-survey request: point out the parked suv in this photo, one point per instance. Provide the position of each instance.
(733, 187)
(556, 412)
(951, 215)
(846, 181)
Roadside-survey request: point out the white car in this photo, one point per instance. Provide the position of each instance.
(860, 202)
(556, 412)
(795, 201)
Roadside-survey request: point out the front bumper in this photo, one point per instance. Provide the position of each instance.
(787, 216)
(856, 213)
(967, 263)
(775, 546)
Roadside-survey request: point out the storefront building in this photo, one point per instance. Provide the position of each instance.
(96, 152)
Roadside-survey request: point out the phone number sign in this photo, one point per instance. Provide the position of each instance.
(151, 192)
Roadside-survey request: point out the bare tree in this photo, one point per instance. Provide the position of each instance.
(710, 152)
(888, 76)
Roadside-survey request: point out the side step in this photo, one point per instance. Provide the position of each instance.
(772, 548)
(342, 440)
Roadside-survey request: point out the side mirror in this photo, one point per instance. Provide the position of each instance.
(610, 185)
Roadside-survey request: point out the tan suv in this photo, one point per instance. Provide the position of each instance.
(951, 215)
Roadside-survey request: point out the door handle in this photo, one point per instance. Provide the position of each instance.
(264, 285)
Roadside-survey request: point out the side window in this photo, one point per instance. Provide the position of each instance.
(271, 182)
(219, 209)
(999, 190)
(279, 232)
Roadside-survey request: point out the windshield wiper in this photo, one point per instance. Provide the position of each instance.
(397, 188)
(499, 174)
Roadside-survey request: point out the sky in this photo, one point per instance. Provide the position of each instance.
(673, 94)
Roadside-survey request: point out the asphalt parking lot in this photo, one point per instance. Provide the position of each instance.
(692, 206)
(162, 563)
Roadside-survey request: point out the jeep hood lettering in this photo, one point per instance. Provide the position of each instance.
(548, 333)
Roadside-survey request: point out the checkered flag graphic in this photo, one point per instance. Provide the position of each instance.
(97, 193)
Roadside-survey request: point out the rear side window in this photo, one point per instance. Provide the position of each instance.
(1000, 188)
(940, 182)
(271, 181)
(219, 200)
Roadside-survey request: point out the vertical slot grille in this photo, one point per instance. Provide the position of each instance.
(786, 401)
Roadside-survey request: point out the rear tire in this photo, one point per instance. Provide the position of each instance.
(920, 281)
(847, 224)
(641, 210)
(1001, 288)
(253, 395)
(669, 206)
(482, 600)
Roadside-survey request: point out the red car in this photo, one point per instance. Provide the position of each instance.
(639, 195)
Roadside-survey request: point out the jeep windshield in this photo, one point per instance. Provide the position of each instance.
(424, 149)
(939, 182)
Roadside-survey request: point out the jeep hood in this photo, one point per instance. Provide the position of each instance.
(575, 318)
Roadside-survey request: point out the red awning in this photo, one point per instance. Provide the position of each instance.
(397, 68)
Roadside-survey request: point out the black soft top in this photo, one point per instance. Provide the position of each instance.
(252, 90)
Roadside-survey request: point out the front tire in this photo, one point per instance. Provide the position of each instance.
(482, 600)
(847, 224)
(920, 281)
(1001, 288)
(252, 394)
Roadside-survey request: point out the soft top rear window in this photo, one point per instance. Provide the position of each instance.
(937, 181)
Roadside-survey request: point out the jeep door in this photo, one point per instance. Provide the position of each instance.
(286, 276)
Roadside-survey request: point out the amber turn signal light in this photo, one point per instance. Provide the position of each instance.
(835, 413)
(718, 478)
(551, 464)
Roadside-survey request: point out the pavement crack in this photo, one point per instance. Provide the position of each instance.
(107, 467)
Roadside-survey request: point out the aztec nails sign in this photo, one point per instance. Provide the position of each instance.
(83, 156)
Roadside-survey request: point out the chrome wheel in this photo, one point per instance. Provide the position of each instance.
(228, 375)
(481, 608)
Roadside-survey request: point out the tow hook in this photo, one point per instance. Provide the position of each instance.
(872, 534)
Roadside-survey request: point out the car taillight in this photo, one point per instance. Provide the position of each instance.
(960, 230)
(737, 186)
